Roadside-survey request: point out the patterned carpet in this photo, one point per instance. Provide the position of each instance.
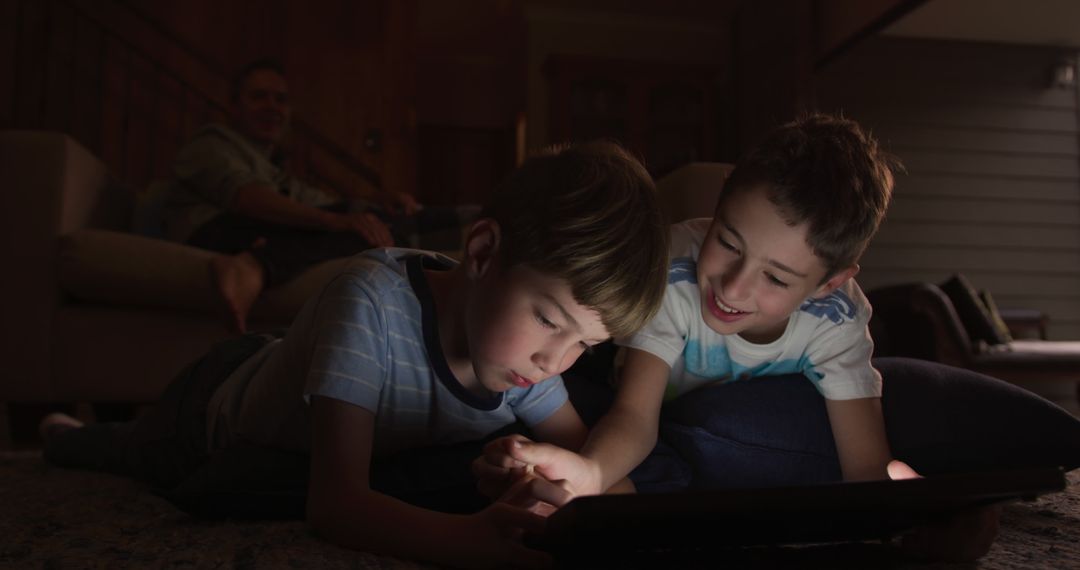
(53, 518)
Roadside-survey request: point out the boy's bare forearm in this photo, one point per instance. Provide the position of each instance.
(617, 444)
(626, 434)
(862, 446)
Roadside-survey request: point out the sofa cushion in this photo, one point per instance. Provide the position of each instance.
(124, 269)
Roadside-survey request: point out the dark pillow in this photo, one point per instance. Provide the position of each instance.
(939, 419)
(973, 314)
(995, 315)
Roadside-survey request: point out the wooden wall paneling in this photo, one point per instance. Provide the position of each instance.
(902, 136)
(139, 136)
(978, 186)
(945, 258)
(931, 112)
(221, 36)
(462, 165)
(30, 72)
(115, 100)
(1005, 165)
(10, 25)
(168, 121)
(1027, 92)
(953, 233)
(195, 112)
(87, 84)
(992, 153)
(59, 96)
(663, 113)
(399, 97)
(471, 70)
(774, 63)
(989, 214)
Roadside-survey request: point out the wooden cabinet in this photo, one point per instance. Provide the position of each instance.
(665, 113)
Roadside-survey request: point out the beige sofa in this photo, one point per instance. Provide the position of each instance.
(95, 313)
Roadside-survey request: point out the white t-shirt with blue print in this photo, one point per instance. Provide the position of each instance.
(369, 339)
(827, 340)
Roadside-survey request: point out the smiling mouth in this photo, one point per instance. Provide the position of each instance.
(729, 310)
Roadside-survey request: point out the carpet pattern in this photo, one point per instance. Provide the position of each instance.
(56, 518)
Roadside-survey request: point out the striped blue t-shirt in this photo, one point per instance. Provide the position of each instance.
(370, 339)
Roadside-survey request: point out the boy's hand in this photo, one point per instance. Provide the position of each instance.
(965, 537)
(573, 473)
(494, 468)
(535, 493)
(492, 539)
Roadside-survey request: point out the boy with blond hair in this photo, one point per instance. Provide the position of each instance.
(406, 349)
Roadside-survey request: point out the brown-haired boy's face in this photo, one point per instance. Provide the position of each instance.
(754, 270)
(262, 110)
(525, 327)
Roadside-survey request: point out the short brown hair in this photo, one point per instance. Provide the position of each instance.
(589, 214)
(826, 171)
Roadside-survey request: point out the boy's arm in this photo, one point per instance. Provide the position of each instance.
(566, 429)
(858, 427)
(342, 507)
(625, 435)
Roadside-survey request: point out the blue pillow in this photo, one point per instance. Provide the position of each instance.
(775, 431)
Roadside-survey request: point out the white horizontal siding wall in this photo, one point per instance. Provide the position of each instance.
(992, 188)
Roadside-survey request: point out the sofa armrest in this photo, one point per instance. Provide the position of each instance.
(920, 322)
(51, 185)
(122, 269)
(126, 270)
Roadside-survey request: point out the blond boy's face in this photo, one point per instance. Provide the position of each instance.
(754, 270)
(527, 327)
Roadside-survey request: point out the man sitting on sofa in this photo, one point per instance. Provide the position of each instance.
(230, 193)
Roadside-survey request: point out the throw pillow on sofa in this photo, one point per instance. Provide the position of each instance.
(976, 318)
(995, 315)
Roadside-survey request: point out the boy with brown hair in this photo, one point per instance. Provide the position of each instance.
(406, 349)
(763, 288)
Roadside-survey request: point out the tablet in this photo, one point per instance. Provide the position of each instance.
(748, 517)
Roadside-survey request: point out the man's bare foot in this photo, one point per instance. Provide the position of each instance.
(56, 423)
(239, 281)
